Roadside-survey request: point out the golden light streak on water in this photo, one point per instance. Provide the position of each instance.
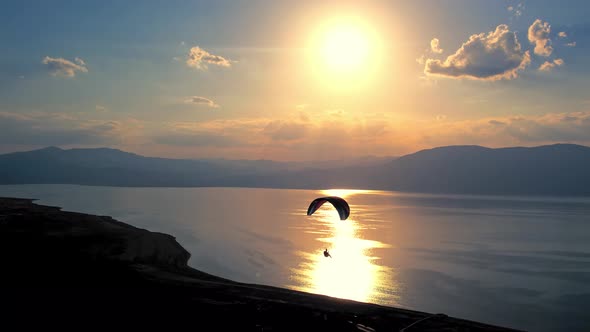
(352, 272)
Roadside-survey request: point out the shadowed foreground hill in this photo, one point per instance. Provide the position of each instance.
(75, 271)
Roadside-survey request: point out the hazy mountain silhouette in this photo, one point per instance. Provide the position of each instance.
(561, 169)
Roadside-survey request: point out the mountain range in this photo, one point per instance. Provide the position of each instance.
(558, 170)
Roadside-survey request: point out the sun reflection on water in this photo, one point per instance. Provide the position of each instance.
(352, 272)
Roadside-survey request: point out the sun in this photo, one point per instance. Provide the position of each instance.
(344, 51)
(345, 48)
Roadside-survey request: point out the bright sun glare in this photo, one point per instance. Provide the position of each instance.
(345, 47)
(344, 51)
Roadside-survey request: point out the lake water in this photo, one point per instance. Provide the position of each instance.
(517, 262)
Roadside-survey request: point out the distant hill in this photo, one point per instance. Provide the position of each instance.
(560, 170)
(111, 167)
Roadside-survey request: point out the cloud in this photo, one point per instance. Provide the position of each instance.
(572, 44)
(56, 129)
(539, 36)
(435, 46)
(555, 127)
(288, 138)
(197, 139)
(486, 56)
(496, 123)
(517, 10)
(101, 108)
(199, 58)
(202, 101)
(63, 67)
(562, 34)
(328, 137)
(573, 127)
(548, 65)
(285, 130)
(218, 134)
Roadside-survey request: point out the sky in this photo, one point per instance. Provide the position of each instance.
(293, 80)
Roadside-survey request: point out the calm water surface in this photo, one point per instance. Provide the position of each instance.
(518, 262)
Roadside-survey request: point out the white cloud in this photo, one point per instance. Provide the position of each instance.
(435, 46)
(202, 101)
(572, 44)
(63, 67)
(539, 36)
(548, 65)
(486, 56)
(562, 34)
(199, 58)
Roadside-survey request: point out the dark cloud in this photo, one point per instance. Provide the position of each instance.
(199, 58)
(486, 56)
(63, 67)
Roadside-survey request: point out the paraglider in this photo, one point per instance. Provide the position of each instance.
(327, 254)
(340, 204)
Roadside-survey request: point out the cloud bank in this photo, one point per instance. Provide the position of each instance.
(43, 129)
(64, 68)
(488, 56)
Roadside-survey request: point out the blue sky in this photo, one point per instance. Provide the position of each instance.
(113, 73)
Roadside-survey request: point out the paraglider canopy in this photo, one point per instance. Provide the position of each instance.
(339, 203)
